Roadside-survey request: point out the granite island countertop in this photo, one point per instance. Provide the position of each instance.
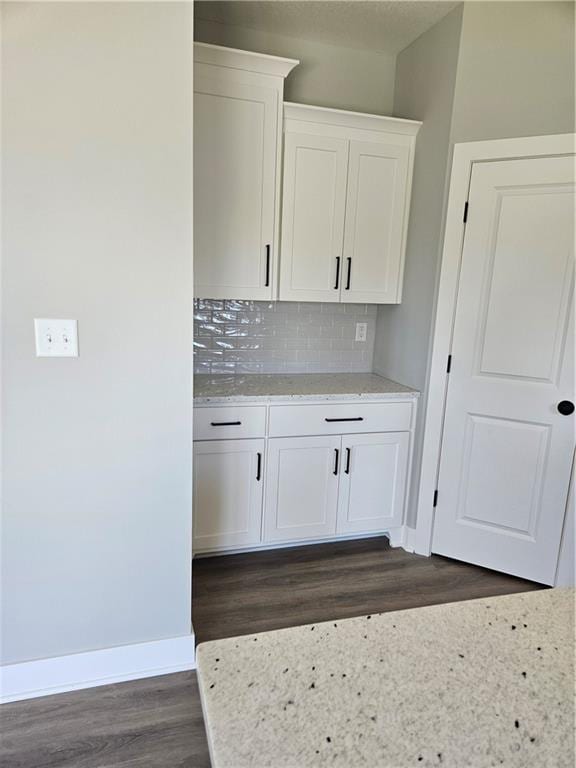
(256, 387)
(473, 684)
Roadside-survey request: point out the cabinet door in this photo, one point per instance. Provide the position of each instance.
(314, 195)
(372, 482)
(376, 206)
(235, 148)
(228, 480)
(301, 488)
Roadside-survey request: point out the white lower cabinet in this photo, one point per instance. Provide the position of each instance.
(228, 490)
(323, 486)
(301, 488)
(372, 482)
(265, 475)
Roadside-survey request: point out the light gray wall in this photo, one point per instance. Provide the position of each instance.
(425, 79)
(509, 71)
(281, 337)
(96, 127)
(328, 75)
(515, 70)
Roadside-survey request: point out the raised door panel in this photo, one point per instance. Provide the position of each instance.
(301, 488)
(235, 148)
(373, 482)
(376, 211)
(227, 502)
(314, 192)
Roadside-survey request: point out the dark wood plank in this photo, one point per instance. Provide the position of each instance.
(157, 723)
(260, 591)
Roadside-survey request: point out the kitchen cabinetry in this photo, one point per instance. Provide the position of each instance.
(227, 499)
(318, 487)
(301, 488)
(237, 141)
(277, 473)
(346, 198)
(372, 482)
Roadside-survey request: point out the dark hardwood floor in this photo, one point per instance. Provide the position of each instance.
(157, 723)
(259, 591)
(150, 723)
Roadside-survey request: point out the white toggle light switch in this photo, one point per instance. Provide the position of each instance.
(56, 338)
(361, 331)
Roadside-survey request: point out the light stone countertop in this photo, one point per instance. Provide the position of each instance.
(473, 684)
(301, 386)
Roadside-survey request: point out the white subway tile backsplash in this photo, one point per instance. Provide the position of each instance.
(237, 336)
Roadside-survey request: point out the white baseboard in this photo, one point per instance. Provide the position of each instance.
(289, 544)
(30, 679)
(404, 537)
(409, 539)
(396, 536)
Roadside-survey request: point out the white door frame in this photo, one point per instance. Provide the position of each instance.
(465, 155)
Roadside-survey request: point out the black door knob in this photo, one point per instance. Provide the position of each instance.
(565, 407)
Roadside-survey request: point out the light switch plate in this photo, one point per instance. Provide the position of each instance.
(361, 331)
(56, 338)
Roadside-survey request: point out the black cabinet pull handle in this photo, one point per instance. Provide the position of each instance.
(336, 457)
(259, 467)
(353, 418)
(565, 407)
(225, 423)
(267, 283)
(348, 454)
(349, 260)
(337, 273)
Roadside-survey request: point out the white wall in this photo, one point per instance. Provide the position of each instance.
(96, 122)
(425, 80)
(328, 75)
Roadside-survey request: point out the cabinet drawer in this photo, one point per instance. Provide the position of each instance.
(339, 419)
(229, 422)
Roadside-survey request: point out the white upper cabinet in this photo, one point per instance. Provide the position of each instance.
(237, 140)
(346, 199)
(376, 212)
(313, 217)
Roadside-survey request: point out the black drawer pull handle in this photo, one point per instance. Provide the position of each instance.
(565, 407)
(348, 454)
(353, 418)
(349, 260)
(267, 283)
(337, 273)
(259, 467)
(336, 457)
(225, 423)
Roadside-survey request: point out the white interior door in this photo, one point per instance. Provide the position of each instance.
(507, 449)
(235, 141)
(301, 488)
(376, 207)
(314, 194)
(228, 482)
(372, 482)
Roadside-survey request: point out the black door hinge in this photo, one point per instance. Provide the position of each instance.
(435, 498)
(465, 219)
(449, 364)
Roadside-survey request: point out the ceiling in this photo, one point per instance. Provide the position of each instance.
(380, 25)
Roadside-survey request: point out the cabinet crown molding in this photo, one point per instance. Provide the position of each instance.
(261, 63)
(313, 114)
